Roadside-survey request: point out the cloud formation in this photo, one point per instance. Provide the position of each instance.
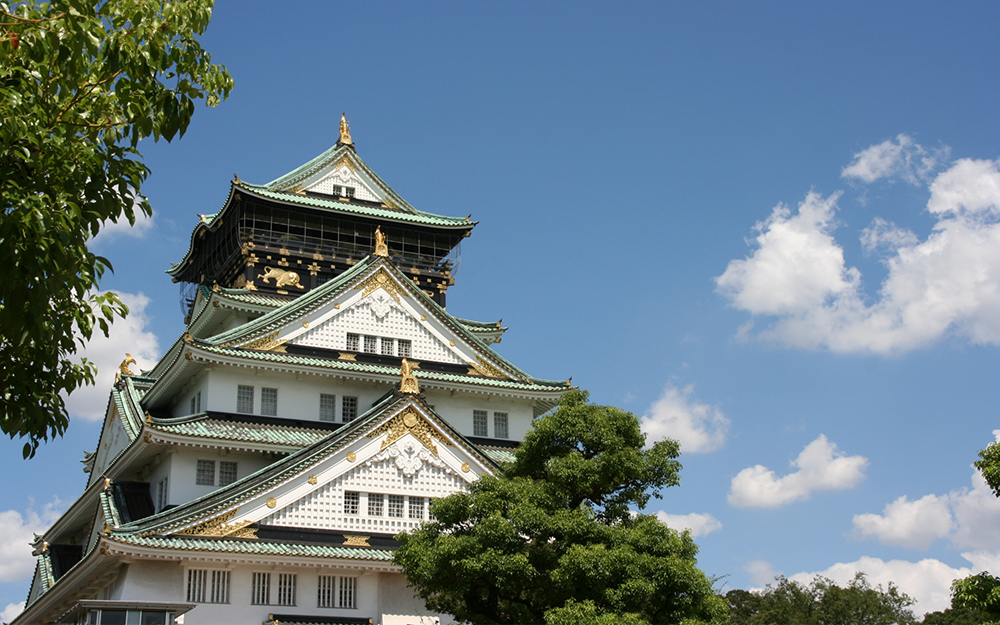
(948, 283)
(127, 335)
(700, 524)
(112, 230)
(16, 533)
(895, 158)
(678, 415)
(11, 611)
(821, 466)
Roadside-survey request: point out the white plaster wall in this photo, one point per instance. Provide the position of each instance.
(112, 442)
(183, 470)
(400, 606)
(182, 403)
(457, 409)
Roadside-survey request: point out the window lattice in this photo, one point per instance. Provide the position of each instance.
(348, 409)
(327, 407)
(500, 424)
(269, 402)
(352, 503)
(353, 342)
(220, 587)
(479, 421)
(348, 592)
(286, 589)
(196, 585)
(261, 591)
(205, 474)
(405, 348)
(227, 472)
(396, 506)
(244, 399)
(199, 590)
(388, 346)
(417, 508)
(376, 504)
(327, 592)
(371, 344)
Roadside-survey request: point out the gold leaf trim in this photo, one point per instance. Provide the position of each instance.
(351, 540)
(220, 526)
(347, 357)
(381, 280)
(485, 368)
(269, 343)
(409, 421)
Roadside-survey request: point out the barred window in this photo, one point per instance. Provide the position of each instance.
(500, 424)
(220, 587)
(348, 592)
(352, 503)
(348, 192)
(405, 348)
(261, 591)
(227, 472)
(376, 504)
(244, 399)
(396, 506)
(327, 407)
(371, 344)
(286, 589)
(269, 402)
(327, 592)
(205, 474)
(348, 409)
(388, 346)
(162, 494)
(353, 342)
(196, 585)
(479, 419)
(416, 507)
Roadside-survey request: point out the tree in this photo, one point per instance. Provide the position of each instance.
(989, 465)
(81, 84)
(552, 537)
(978, 592)
(822, 602)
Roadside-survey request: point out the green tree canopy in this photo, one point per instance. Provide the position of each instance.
(551, 538)
(989, 465)
(979, 592)
(81, 84)
(821, 602)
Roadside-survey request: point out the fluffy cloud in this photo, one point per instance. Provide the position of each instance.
(900, 157)
(968, 517)
(927, 581)
(122, 228)
(947, 283)
(699, 524)
(678, 415)
(11, 611)
(904, 523)
(16, 533)
(821, 466)
(127, 335)
(761, 572)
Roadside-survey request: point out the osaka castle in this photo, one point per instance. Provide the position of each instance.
(319, 398)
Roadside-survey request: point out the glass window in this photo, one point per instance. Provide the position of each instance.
(353, 342)
(479, 419)
(396, 506)
(327, 407)
(269, 402)
(416, 507)
(205, 475)
(376, 504)
(348, 409)
(352, 503)
(405, 348)
(371, 344)
(261, 591)
(244, 399)
(500, 424)
(286, 589)
(227, 472)
(388, 346)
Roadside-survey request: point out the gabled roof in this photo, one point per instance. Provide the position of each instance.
(204, 508)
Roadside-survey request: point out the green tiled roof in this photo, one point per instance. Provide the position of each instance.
(255, 547)
(498, 455)
(202, 426)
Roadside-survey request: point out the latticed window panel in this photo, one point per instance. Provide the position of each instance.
(479, 423)
(244, 399)
(500, 425)
(371, 344)
(196, 585)
(416, 508)
(260, 593)
(348, 409)
(376, 504)
(352, 503)
(286, 589)
(348, 591)
(205, 473)
(396, 506)
(269, 402)
(327, 595)
(405, 348)
(227, 472)
(353, 342)
(220, 587)
(327, 407)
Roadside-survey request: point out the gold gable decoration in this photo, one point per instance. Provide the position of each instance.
(219, 526)
(269, 343)
(409, 383)
(484, 368)
(381, 280)
(409, 421)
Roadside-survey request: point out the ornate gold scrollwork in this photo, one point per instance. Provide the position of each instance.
(409, 383)
(219, 526)
(409, 421)
(356, 541)
(381, 280)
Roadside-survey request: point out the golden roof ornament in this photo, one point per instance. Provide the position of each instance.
(123, 368)
(409, 383)
(345, 131)
(381, 247)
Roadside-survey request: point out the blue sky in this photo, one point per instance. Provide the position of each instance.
(770, 230)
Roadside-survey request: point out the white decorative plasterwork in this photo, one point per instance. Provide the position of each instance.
(380, 304)
(409, 456)
(345, 176)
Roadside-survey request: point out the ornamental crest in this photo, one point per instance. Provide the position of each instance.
(409, 457)
(380, 304)
(219, 526)
(410, 422)
(381, 280)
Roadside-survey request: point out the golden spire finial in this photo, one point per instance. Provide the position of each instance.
(381, 247)
(345, 131)
(409, 383)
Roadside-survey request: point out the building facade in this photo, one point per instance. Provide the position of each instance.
(320, 397)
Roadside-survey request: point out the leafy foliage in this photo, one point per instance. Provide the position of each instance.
(81, 84)
(978, 592)
(821, 603)
(552, 539)
(989, 465)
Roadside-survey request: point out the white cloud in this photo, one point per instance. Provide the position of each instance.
(761, 572)
(894, 158)
(127, 335)
(904, 523)
(700, 524)
(16, 533)
(678, 415)
(947, 283)
(969, 518)
(11, 611)
(122, 228)
(821, 466)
